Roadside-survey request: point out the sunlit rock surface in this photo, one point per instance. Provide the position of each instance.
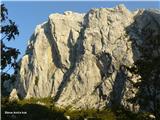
(85, 60)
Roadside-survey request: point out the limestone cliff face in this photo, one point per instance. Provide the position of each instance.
(87, 60)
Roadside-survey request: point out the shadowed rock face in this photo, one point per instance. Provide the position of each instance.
(86, 60)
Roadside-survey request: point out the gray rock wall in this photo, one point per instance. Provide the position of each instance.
(88, 60)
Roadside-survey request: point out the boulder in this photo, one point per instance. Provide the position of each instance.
(13, 95)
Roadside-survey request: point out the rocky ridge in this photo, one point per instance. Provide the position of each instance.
(89, 60)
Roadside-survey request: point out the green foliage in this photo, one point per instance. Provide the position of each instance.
(9, 55)
(48, 111)
(34, 111)
(123, 114)
(48, 102)
(91, 114)
(147, 66)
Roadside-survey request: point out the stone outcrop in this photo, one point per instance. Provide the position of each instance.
(13, 95)
(89, 60)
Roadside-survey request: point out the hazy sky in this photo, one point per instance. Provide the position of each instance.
(28, 14)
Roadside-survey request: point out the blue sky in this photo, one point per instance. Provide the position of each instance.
(28, 14)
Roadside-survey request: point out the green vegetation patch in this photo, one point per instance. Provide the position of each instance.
(45, 109)
(91, 114)
(31, 110)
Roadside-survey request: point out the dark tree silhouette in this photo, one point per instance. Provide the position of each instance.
(148, 66)
(9, 55)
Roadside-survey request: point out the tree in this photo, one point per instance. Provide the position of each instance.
(9, 55)
(148, 67)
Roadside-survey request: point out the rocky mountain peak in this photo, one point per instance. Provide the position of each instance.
(88, 60)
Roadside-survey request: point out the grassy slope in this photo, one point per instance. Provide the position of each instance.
(44, 109)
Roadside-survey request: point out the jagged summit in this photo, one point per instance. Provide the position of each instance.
(84, 60)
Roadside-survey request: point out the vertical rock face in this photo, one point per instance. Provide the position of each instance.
(88, 60)
(49, 55)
